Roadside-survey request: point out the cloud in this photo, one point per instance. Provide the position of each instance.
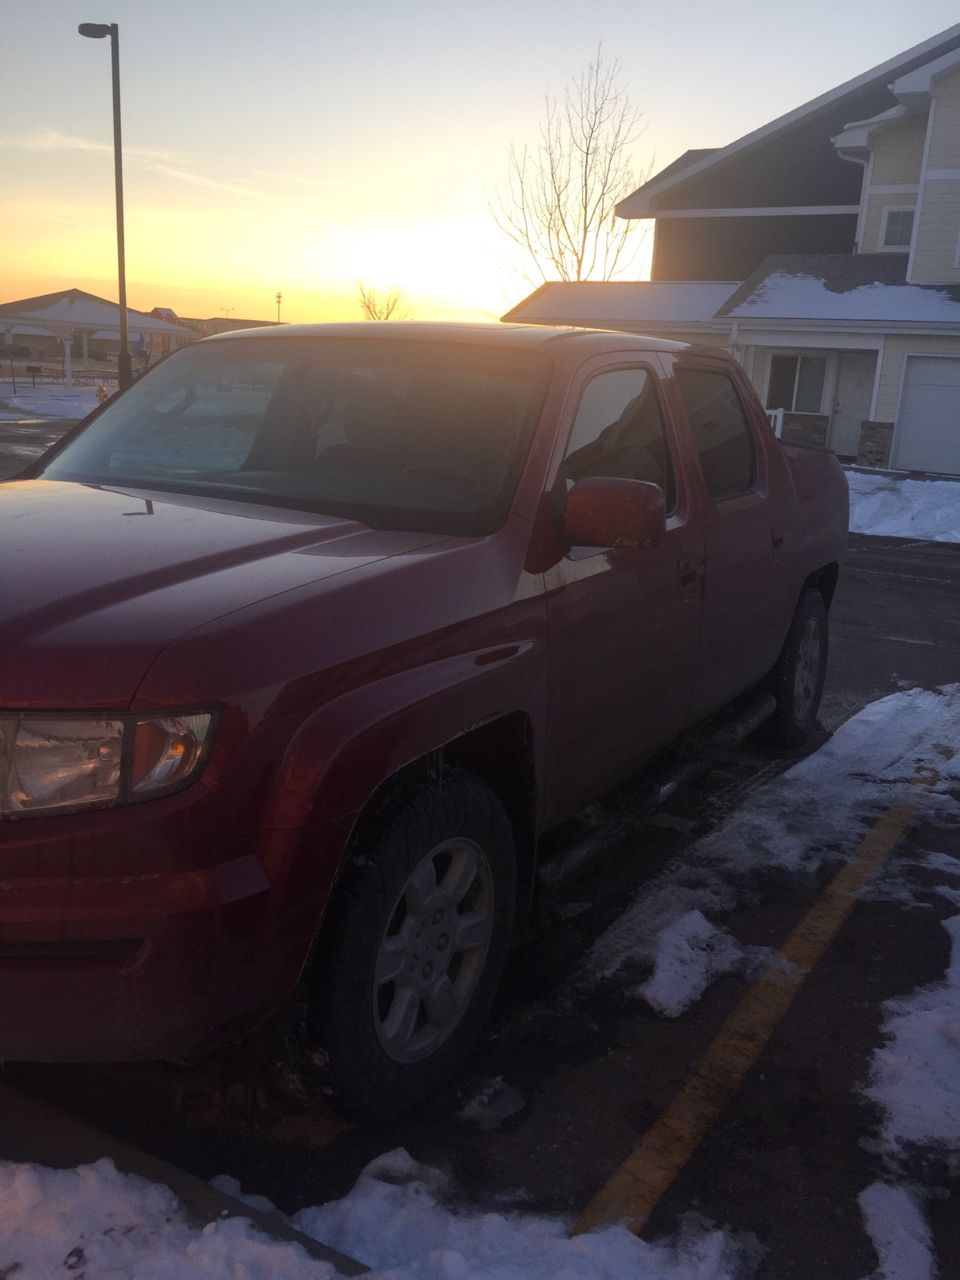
(286, 178)
(66, 222)
(45, 139)
(247, 193)
(165, 163)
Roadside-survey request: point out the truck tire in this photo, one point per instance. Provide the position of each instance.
(797, 680)
(414, 945)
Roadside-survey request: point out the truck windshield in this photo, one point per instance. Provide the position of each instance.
(404, 434)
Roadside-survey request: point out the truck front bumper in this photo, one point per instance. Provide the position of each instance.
(132, 934)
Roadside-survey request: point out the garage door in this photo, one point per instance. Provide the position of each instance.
(928, 429)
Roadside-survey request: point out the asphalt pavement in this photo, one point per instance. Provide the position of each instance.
(23, 438)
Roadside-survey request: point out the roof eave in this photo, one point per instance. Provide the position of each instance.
(632, 207)
(941, 327)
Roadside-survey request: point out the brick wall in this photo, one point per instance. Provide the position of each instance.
(875, 441)
(804, 428)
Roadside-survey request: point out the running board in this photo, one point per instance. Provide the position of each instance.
(728, 735)
(700, 752)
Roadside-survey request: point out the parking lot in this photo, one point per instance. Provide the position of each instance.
(691, 1036)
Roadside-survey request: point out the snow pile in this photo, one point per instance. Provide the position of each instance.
(393, 1220)
(817, 811)
(915, 1075)
(691, 954)
(899, 1232)
(894, 507)
(101, 1224)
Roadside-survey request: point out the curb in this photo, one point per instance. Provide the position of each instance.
(34, 1132)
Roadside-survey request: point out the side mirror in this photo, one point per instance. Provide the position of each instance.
(609, 512)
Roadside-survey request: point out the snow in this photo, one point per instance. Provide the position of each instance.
(50, 401)
(101, 1223)
(104, 1224)
(899, 1232)
(783, 296)
(896, 507)
(815, 812)
(914, 1080)
(495, 1102)
(399, 1222)
(915, 1074)
(691, 952)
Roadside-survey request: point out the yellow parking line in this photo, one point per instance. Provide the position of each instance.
(633, 1190)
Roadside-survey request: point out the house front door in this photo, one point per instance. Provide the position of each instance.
(851, 402)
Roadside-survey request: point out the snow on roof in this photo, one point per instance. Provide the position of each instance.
(589, 302)
(75, 309)
(789, 296)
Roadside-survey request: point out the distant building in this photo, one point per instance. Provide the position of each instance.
(75, 325)
(224, 324)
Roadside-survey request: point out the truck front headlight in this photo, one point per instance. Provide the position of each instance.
(56, 763)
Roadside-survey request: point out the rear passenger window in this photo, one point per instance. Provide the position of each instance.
(618, 432)
(728, 455)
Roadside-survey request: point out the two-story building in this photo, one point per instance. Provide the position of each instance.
(824, 249)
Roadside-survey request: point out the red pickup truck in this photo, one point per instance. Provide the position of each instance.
(313, 632)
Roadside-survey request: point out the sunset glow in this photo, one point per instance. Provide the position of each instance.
(315, 150)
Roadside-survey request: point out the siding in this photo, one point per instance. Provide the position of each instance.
(708, 338)
(898, 153)
(935, 256)
(731, 248)
(945, 143)
(697, 337)
(894, 360)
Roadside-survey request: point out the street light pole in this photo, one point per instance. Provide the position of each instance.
(97, 31)
(279, 300)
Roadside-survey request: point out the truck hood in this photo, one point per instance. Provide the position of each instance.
(96, 582)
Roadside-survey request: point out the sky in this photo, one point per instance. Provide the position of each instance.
(302, 147)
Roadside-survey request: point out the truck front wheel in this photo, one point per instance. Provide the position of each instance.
(797, 680)
(415, 944)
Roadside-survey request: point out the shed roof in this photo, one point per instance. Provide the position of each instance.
(592, 302)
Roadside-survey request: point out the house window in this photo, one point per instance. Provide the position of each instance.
(796, 383)
(897, 228)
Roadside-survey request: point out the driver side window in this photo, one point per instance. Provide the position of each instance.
(618, 432)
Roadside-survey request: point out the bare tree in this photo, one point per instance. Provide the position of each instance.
(379, 307)
(560, 194)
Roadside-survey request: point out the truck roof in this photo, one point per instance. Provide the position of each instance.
(524, 336)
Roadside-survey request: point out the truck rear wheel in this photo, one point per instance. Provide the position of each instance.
(415, 944)
(797, 679)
